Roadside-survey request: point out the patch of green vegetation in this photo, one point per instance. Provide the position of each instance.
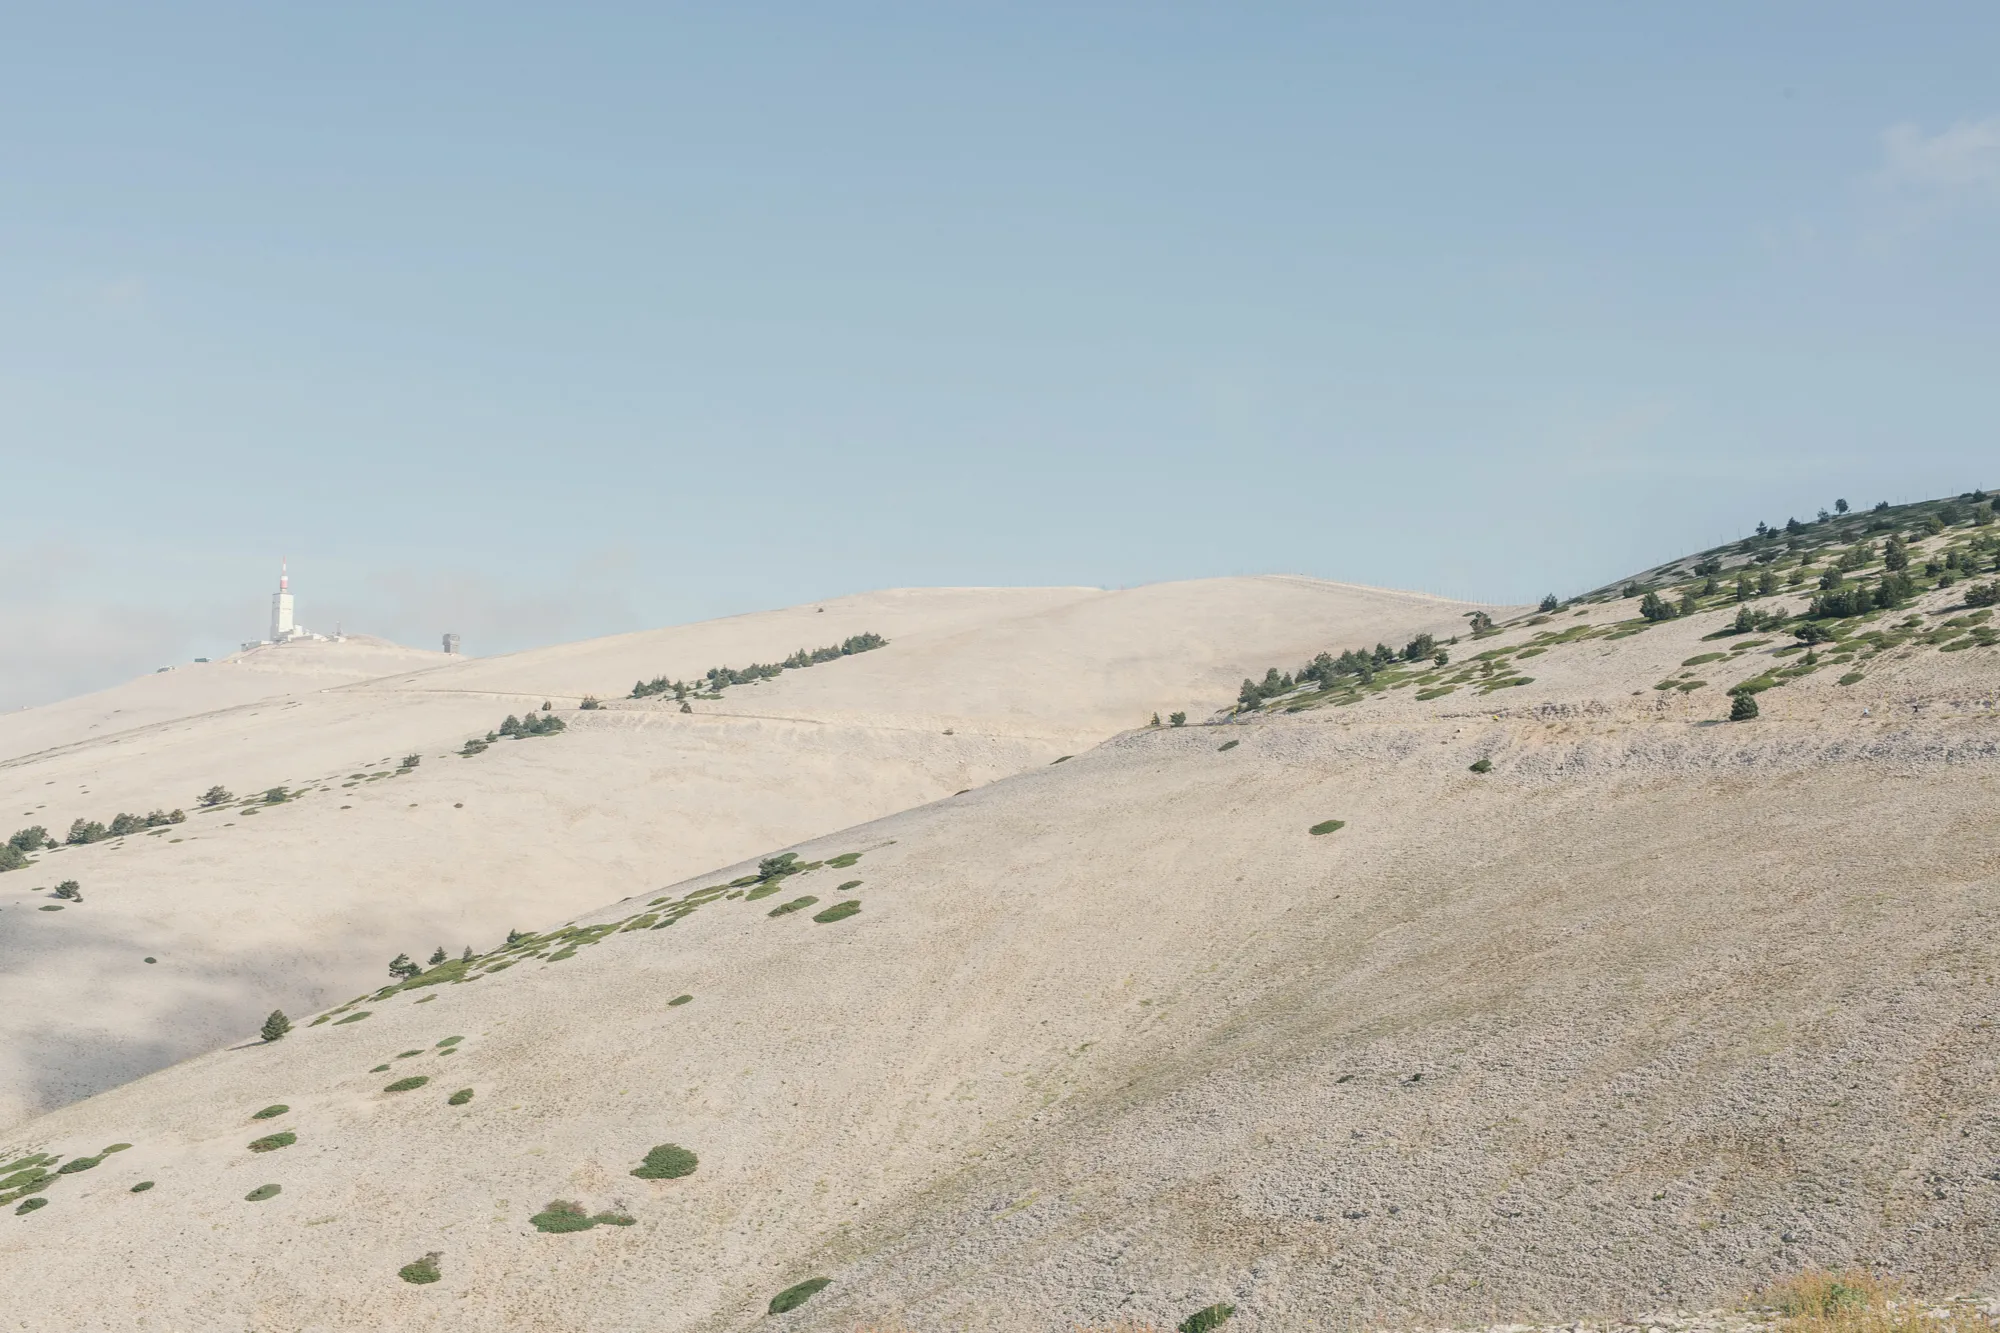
(273, 1142)
(459, 1098)
(408, 1084)
(1481, 766)
(844, 860)
(263, 1192)
(1207, 1319)
(379, 1069)
(557, 957)
(142, 1187)
(270, 1112)
(791, 1298)
(1435, 692)
(1227, 745)
(1688, 685)
(839, 911)
(1852, 677)
(75, 1164)
(354, 1017)
(30, 1205)
(404, 1055)
(1699, 658)
(561, 1215)
(642, 921)
(764, 890)
(847, 886)
(794, 905)
(1327, 826)
(679, 999)
(421, 1270)
(1506, 683)
(666, 1161)
(1529, 652)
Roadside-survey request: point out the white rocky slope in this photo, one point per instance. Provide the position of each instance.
(250, 908)
(1656, 1008)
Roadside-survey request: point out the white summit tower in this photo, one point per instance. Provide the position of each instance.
(282, 628)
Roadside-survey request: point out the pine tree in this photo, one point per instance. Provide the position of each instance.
(1895, 553)
(401, 968)
(437, 957)
(1654, 609)
(276, 1026)
(1549, 603)
(1743, 708)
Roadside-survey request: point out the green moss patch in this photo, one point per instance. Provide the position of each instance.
(263, 1192)
(273, 1142)
(459, 1098)
(839, 911)
(1327, 826)
(408, 1084)
(791, 1298)
(796, 904)
(271, 1112)
(666, 1161)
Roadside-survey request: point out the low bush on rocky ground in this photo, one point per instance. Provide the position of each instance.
(1859, 1302)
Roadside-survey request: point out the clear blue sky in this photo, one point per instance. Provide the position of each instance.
(541, 322)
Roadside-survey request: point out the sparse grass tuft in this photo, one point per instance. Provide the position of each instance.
(838, 912)
(408, 1084)
(270, 1112)
(562, 1215)
(1327, 826)
(273, 1142)
(796, 904)
(791, 1298)
(1858, 1302)
(666, 1161)
(459, 1098)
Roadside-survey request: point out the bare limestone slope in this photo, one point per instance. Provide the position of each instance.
(250, 907)
(1652, 1009)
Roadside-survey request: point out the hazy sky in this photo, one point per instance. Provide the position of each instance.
(541, 322)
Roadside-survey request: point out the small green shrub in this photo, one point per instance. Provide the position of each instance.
(408, 1084)
(666, 1161)
(1327, 826)
(791, 1298)
(1204, 1320)
(1227, 745)
(844, 860)
(1482, 766)
(422, 1270)
(76, 1164)
(142, 1187)
(273, 1142)
(459, 1098)
(263, 1192)
(29, 1205)
(1743, 707)
(839, 911)
(276, 1026)
(679, 999)
(270, 1112)
(794, 905)
(561, 1215)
